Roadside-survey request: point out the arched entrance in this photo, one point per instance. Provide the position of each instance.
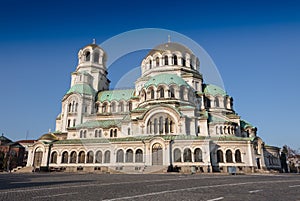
(38, 156)
(157, 154)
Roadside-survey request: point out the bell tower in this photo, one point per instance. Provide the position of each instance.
(91, 68)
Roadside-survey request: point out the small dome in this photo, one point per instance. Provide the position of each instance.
(214, 90)
(172, 47)
(167, 79)
(48, 137)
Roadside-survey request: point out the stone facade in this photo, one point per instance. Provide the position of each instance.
(170, 119)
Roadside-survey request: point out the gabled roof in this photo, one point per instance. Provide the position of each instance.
(82, 89)
(167, 79)
(116, 95)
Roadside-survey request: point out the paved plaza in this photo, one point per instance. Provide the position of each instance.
(67, 186)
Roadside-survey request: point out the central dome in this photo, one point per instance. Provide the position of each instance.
(171, 47)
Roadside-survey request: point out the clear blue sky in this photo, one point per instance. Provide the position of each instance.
(255, 45)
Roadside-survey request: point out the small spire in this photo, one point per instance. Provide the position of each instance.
(94, 41)
(169, 38)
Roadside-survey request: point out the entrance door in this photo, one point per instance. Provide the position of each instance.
(157, 154)
(38, 156)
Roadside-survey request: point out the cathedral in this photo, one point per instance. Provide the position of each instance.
(170, 121)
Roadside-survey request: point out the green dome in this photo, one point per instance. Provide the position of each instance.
(48, 136)
(214, 90)
(82, 89)
(167, 79)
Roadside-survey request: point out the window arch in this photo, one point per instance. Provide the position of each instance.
(237, 156)
(113, 107)
(107, 157)
(152, 93)
(198, 155)
(187, 155)
(104, 108)
(96, 57)
(53, 157)
(96, 133)
(81, 157)
(139, 156)
(90, 157)
(177, 155)
(65, 157)
(229, 156)
(87, 56)
(120, 156)
(157, 61)
(73, 157)
(161, 92)
(175, 62)
(217, 102)
(98, 157)
(166, 60)
(220, 158)
(129, 156)
(69, 107)
(121, 107)
(172, 92)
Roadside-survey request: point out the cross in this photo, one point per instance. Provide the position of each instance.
(169, 38)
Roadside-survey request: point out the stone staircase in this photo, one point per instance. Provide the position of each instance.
(155, 169)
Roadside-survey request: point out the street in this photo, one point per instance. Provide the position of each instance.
(67, 186)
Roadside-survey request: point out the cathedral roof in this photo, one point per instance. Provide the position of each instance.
(48, 136)
(245, 124)
(167, 79)
(116, 95)
(214, 90)
(81, 89)
(100, 124)
(172, 47)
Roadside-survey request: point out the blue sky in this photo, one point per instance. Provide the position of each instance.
(255, 45)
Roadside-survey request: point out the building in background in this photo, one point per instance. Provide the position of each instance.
(170, 119)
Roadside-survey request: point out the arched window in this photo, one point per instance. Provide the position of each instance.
(129, 156)
(73, 157)
(229, 156)
(171, 127)
(161, 125)
(217, 102)
(166, 60)
(121, 107)
(221, 130)
(152, 93)
(238, 158)
(166, 125)
(183, 62)
(187, 155)
(53, 157)
(115, 132)
(207, 102)
(150, 64)
(220, 158)
(161, 93)
(172, 92)
(111, 133)
(76, 107)
(120, 156)
(81, 134)
(177, 155)
(128, 131)
(113, 107)
(139, 156)
(130, 106)
(65, 157)
(198, 155)
(69, 107)
(98, 157)
(157, 61)
(198, 129)
(87, 56)
(96, 133)
(104, 108)
(107, 157)
(81, 157)
(84, 134)
(96, 57)
(175, 60)
(181, 93)
(90, 157)
(217, 130)
(155, 126)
